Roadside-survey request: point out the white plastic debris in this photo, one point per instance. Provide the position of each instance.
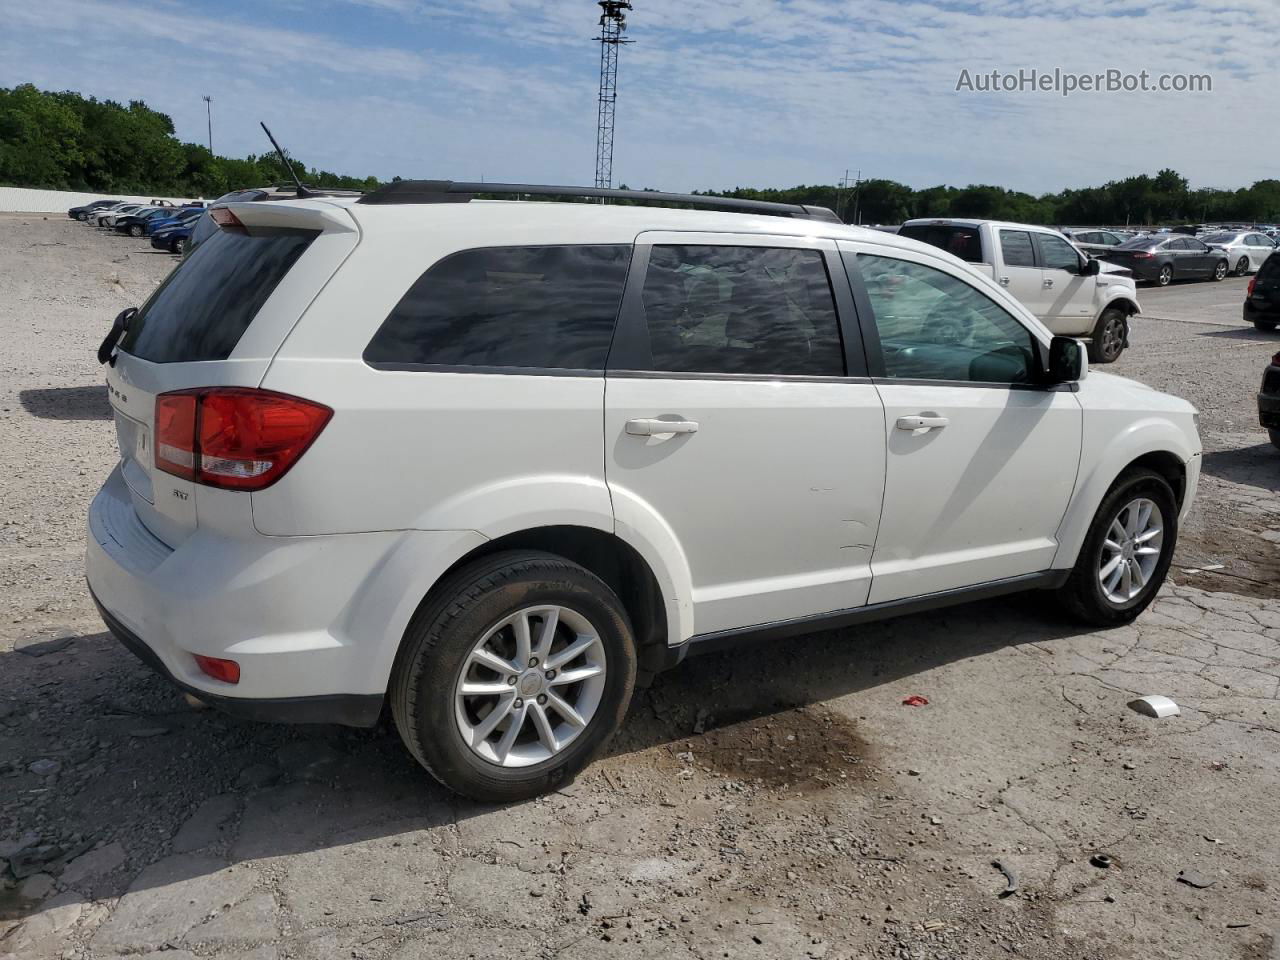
(1155, 706)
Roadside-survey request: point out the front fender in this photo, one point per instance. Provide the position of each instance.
(1109, 447)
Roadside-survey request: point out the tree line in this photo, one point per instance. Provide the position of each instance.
(65, 141)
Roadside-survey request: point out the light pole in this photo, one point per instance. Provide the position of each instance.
(208, 107)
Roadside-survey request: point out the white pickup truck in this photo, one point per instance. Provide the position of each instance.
(1071, 294)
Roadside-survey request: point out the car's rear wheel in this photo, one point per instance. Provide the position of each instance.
(1242, 266)
(513, 675)
(1220, 270)
(1127, 552)
(82, 217)
(1109, 336)
(1265, 325)
(1165, 276)
(1275, 438)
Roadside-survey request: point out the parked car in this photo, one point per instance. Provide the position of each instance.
(1164, 257)
(1068, 292)
(1269, 400)
(1095, 242)
(81, 212)
(368, 457)
(1245, 251)
(1262, 301)
(93, 217)
(135, 224)
(172, 238)
(171, 219)
(107, 217)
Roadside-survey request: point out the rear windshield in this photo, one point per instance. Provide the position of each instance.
(964, 242)
(207, 303)
(1142, 243)
(1220, 238)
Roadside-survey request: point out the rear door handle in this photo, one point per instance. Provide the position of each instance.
(922, 423)
(1004, 281)
(657, 428)
(1048, 282)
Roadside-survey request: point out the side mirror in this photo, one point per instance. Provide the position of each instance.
(1091, 267)
(1068, 361)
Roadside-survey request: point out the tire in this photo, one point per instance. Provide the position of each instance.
(82, 217)
(467, 613)
(1165, 276)
(135, 230)
(1242, 266)
(1110, 336)
(1083, 595)
(1221, 269)
(1275, 438)
(1266, 326)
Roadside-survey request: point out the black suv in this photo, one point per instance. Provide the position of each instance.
(1262, 304)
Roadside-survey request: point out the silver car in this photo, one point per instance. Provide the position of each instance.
(1245, 250)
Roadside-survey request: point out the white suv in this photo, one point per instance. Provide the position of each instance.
(490, 464)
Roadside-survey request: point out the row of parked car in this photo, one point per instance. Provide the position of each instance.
(167, 224)
(1166, 256)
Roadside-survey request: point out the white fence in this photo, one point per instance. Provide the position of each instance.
(23, 200)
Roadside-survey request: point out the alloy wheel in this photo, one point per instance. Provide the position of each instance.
(530, 686)
(1220, 271)
(1112, 338)
(1131, 550)
(1242, 267)
(1166, 274)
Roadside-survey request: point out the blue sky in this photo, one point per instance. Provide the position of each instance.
(752, 92)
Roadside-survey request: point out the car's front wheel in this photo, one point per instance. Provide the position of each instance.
(513, 675)
(135, 230)
(1109, 336)
(1127, 552)
(1220, 270)
(1165, 276)
(82, 217)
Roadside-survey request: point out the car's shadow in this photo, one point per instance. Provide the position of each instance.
(136, 760)
(1245, 333)
(67, 403)
(1256, 466)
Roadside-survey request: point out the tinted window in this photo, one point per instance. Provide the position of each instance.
(1110, 239)
(544, 307)
(207, 303)
(1057, 253)
(1270, 268)
(1015, 245)
(963, 242)
(753, 310)
(1194, 245)
(1220, 238)
(1141, 243)
(933, 326)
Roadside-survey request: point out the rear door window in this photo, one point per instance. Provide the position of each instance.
(551, 307)
(1016, 247)
(964, 242)
(764, 311)
(206, 304)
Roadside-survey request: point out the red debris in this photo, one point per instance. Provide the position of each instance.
(915, 701)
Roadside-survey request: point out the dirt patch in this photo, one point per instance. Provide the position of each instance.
(804, 749)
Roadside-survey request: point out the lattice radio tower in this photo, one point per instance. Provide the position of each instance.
(613, 24)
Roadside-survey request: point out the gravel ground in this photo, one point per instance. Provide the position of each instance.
(777, 802)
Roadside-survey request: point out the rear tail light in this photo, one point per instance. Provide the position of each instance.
(228, 671)
(1275, 360)
(1142, 255)
(237, 438)
(1253, 282)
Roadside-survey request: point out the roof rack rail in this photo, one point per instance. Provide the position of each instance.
(450, 191)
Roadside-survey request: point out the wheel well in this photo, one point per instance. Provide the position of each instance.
(1122, 303)
(613, 561)
(1168, 466)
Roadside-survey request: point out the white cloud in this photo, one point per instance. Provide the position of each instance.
(763, 92)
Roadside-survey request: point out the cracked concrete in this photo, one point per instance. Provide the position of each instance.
(813, 816)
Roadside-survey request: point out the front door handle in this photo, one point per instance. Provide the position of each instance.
(1048, 282)
(1004, 281)
(657, 428)
(922, 423)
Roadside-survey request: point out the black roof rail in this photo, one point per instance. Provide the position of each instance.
(450, 191)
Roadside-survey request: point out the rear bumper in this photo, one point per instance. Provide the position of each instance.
(314, 622)
(348, 709)
(1267, 314)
